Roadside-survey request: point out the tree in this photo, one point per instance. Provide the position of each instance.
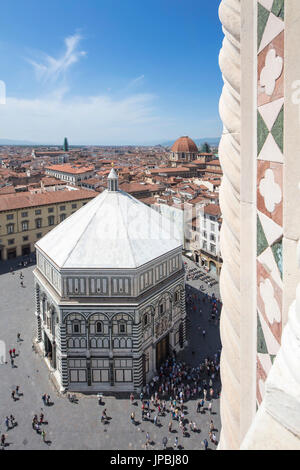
(206, 148)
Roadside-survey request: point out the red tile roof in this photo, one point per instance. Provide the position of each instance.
(27, 199)
(185, 145)
(212, 209)
(68, 168)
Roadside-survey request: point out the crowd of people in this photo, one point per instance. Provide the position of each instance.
(171, 392)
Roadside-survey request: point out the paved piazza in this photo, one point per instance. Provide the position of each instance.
(78, 426)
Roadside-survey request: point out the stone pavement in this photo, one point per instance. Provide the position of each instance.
(196, 283)
(78, 426)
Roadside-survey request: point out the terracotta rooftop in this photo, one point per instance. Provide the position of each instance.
(185, 145)
(68, 168)
(132, 187)
(212, 209)
(27, 199)
(169, 170)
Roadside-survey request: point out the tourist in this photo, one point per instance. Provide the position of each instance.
(3, 440)
(7, 423)
(12, 421)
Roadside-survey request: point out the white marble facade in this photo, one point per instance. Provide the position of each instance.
(106, 327)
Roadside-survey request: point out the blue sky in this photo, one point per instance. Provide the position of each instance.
(110, 71)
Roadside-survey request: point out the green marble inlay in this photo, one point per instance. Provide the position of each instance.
(263, 16)
(262, 132)
(278, 8)
(277, 252)
(272, 356)
(261, 240)
(261, 342)
(277, 129)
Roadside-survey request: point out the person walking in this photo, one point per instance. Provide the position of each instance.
(176, 443)
(44, 435)
(7, 423)
(3, 440)
(210, 407)
(12, 421)
(205, 442)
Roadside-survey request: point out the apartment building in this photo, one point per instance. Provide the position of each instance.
(210, 225)
(26, 217)
(72, 174)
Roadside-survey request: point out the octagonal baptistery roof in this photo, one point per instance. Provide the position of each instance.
(185, 144)
(114, 230)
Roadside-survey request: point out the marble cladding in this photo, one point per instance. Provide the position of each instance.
(270, 161)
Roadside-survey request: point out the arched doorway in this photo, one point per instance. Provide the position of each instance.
(213, 267)
(162, 351)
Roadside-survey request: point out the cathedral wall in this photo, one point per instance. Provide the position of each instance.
(260, 204)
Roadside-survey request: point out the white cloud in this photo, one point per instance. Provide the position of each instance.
(50, 69)
(91, 120)
(136, 80)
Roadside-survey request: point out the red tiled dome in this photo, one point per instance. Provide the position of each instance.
(186, 145)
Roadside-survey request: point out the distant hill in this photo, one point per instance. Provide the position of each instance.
(213, 141)
(15, 142)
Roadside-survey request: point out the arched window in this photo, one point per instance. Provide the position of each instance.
(162, 307)
(99, 328)
(177, 296)
(76, 327)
